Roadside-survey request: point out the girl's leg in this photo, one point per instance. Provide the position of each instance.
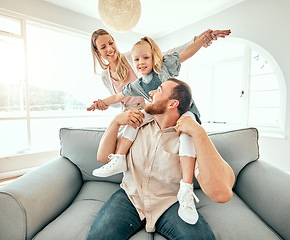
(117, 162)
(186, 196)
(187, 167)
(187, 154)
(130, 133)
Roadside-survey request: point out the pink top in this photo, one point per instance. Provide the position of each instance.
(118, 86)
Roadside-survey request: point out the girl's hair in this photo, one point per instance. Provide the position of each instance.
(156, 53)
(122, 69)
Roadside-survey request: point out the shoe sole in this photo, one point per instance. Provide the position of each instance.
(187, 220)
(108, 175)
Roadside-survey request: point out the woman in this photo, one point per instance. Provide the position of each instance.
(118, 70)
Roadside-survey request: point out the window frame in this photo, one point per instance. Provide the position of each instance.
(264, 129)
(27, 115)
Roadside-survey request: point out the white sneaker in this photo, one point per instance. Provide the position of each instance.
(187, 210)
(117, 164)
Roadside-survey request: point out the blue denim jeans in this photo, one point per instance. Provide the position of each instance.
(119, 220)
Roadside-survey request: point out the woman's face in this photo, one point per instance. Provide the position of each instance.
(106, 47)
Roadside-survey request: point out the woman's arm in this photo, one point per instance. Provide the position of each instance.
(108, 142)
(216, 177)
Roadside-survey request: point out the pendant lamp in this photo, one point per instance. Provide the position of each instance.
(120, 15)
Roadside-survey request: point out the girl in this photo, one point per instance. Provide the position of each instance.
(155, 69)
(118, 68)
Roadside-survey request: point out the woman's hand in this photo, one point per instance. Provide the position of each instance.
(210, 35)
(131, 117)
(100, 105)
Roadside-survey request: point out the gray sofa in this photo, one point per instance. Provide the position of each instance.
(60, 199)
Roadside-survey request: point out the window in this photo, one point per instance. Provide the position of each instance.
(46, 82)
(236, 83)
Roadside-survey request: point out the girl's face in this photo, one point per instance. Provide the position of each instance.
(142, 58)
(106, 47)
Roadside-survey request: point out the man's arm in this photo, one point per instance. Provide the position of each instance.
(109, 140)
(216, 177)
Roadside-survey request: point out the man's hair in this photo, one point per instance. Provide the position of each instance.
(182, 93)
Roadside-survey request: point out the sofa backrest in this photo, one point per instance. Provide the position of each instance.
(237, 148)
(81, 146)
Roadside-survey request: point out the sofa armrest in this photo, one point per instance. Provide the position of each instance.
(265, 189)
(35, 199)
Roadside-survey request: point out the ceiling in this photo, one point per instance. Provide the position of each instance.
(158, 17)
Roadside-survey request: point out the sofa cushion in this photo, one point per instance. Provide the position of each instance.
(81, 146)
(77, 219)
(75, 222)
(233, 220)
(237, 147)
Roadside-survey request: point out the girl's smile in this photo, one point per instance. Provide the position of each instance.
(142, 58)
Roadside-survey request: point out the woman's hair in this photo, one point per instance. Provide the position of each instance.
(122, 69)
(182, 93)
(156, 53)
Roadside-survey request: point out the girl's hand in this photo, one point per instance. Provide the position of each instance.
(91, 108)
(131, 117)
(100, 105)
(209, 36)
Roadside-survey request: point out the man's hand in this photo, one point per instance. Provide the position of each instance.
(188, 126)
(131, 117)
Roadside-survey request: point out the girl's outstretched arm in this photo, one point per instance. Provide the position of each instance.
(205, 39)
(191, 50)
(103, 104)
(116, 98)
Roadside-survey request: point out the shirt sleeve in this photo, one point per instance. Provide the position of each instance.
(131, 89)
(178, 49)
(172, 63)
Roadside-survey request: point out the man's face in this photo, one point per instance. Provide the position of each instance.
(160, 98)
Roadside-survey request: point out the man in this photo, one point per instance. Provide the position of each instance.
(150, 185)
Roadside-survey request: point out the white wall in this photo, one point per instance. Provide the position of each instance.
(40, 9)
(266, 23)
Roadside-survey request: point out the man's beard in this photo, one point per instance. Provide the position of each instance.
(156, 108)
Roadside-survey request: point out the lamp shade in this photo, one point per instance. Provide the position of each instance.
(120, 15)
